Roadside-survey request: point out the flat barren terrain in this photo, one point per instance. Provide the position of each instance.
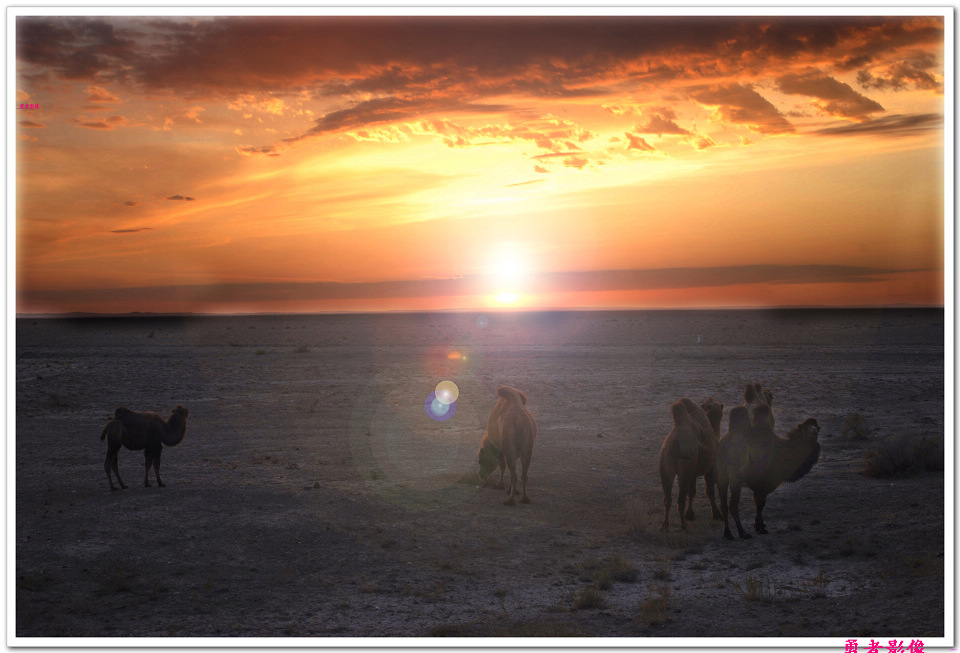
(314, 497)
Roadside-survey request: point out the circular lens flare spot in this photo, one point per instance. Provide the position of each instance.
(482, 322)
(447, 392)
(437, 410)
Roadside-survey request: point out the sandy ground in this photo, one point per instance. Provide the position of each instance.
(313, 497)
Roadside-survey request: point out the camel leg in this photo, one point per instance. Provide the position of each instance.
(710, 480)
(525, 464)
(502, 464)
(735, 510)
(681, 500)
(512, 487)
(722, 486)
(156, 465)
(666, 479)
(116, 469)
(759, 501)
(147, 463)
(108, 464)
(691, 493)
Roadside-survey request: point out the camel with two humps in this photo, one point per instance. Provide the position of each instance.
(141, 431)
(511, 431)
(752, 455)
(688, 452)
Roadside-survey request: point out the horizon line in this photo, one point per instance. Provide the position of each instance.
(785, 307)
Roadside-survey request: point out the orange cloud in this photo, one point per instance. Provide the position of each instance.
(739, 104)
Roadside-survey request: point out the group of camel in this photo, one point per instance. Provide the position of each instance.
(751, 454)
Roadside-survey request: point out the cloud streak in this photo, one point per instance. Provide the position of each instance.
(601, 280)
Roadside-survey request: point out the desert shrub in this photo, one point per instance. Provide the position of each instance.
(615, 568)
(589, 598)
(855, 427)
(903, 455)
(816, 588)
(664, 568)
(655, 608)
(756, 589)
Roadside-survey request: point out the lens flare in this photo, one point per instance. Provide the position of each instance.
(482, 322)
(437, 410)
(447, 392)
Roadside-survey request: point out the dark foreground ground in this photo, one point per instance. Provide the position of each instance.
(313, 497)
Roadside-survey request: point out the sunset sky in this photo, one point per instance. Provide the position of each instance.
(271, 164)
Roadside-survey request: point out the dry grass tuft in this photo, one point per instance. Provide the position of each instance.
(655, 609)
(589, 598)
(855, 428)
(903, 455)
(756, 588)
(615, 568)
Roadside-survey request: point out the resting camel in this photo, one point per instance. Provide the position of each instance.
(752, 455)
(688, 452)
(147, 431)
(511, 430)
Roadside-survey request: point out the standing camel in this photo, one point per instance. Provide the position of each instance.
(147, 431)
(752, 455)
(687, 452)
(511, 430)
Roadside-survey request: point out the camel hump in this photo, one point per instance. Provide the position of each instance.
(679, 411)
(508, 393)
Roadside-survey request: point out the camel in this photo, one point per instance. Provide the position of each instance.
(688, 452)
(752, 455)
(147, 431)
(511, 430)
(489, 459)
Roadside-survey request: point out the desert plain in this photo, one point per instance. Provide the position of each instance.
(313, 497)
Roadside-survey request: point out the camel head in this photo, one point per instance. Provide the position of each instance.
(181, 412)
(488, 457)
(714, 411)
(808, 434)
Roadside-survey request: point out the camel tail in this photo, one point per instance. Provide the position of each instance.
(103, 433)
